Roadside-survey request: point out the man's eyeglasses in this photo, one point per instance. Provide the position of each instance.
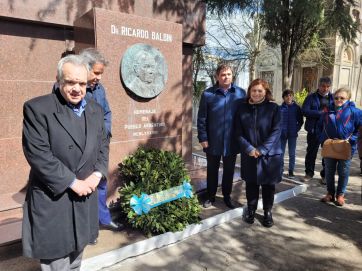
(340, 98)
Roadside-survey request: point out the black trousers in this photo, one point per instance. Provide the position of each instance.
(252, 195)
(213, 164)
(311, 155)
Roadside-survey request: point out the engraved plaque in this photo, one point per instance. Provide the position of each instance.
(144, 70)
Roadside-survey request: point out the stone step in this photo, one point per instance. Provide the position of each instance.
(11, 214)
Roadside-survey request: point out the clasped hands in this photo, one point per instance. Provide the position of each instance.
(254, 153)
(86, 186)
(204, 144)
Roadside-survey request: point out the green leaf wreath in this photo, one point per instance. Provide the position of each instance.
(150, 171)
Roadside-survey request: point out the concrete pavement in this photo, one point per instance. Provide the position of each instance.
(308, 235)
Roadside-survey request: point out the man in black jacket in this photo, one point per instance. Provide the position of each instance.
(314, 105)
(66, 146)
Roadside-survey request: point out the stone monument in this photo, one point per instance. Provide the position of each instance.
(33, 36)
(144, 70)
(143, 80)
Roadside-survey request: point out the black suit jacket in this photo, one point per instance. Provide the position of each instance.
(56, 220)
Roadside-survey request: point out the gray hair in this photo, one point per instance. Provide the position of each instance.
(325, 80)
(93, 56)
(73, 59)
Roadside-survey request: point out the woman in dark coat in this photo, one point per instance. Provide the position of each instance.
(258, 130)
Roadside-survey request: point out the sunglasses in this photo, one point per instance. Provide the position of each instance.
(340, 98)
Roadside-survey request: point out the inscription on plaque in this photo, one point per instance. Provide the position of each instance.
(143, 125)
(144, 70)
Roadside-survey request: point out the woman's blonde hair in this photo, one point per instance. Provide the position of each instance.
(343, 89)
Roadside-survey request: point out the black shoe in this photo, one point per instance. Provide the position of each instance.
(323, 181)
(113, 226)
(208, 203)
(94, 242)
(228, 202)
(249, 216)
(291, 174)
(268, 219)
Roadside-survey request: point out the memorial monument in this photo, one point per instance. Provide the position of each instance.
(156, 111)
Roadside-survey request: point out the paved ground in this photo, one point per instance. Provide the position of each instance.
(308, 235)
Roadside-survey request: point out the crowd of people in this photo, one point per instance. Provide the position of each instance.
(66, 136)
(253, 124)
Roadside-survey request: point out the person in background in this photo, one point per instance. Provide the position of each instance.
(66, 146)
(215, 129)
(341, 123)
(314, 105)
(258, 130)
(96, 91)
(292, 121)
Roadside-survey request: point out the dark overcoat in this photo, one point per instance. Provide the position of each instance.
(259, 126)
(312, 110)
(215, 120)
(56, 220)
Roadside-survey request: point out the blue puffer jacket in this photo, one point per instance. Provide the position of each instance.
(215, 119)
(341, 124)
(292, 120)
(312, 110)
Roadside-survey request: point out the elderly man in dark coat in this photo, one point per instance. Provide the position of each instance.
(66, 145)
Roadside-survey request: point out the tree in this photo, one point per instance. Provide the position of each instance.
(198, 63)
(239, 37)
(292, 24)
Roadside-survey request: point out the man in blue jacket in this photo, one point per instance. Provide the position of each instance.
(313, 107)
(215, 121)
(96, 91)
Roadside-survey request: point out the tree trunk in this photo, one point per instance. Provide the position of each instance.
(287, 67)
(252, 68)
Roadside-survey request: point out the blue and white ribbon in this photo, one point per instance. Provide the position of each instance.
(187, 188)
(143, 204)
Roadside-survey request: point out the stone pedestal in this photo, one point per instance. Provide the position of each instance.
(156, 122)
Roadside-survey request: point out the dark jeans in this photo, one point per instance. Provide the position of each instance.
(342, 167)
(213, 164)
(292, 145)
(311, 155)
(252, 195)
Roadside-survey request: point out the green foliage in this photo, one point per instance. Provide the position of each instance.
(300, 96)
(198, 89)
(338, 19)
(292, 25)
(150, 171)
